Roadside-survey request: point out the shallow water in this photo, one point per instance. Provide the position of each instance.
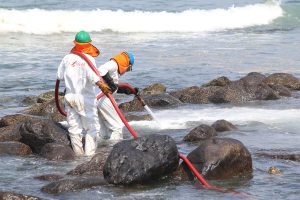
(176, 55)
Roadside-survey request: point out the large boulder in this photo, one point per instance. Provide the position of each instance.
(68, 185)
(10, 133)
(141, 160)
(283, 79)
(220, 158)
(38, 132)
(56, 151)
(94, 166)
(223, 125)
(14, 148)
(199, 133)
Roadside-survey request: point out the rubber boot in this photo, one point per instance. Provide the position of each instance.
(76, 143)
(90, 145)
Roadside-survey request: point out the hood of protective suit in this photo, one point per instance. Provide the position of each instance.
(87, 48)
(123, 62)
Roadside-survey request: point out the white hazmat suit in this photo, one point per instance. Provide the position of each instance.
(80, 102)
(110, 122)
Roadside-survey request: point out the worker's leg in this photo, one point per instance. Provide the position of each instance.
(111, 118)
(91, 125)
(75, 130)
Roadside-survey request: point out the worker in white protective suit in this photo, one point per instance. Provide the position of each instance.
(110, 122)
(80, 103)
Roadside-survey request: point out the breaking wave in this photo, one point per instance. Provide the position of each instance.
(39, 21)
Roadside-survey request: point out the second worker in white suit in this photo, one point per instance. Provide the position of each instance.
(110, 122)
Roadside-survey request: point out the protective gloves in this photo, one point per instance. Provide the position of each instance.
(104, 87)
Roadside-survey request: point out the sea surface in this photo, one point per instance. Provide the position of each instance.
(179, 44)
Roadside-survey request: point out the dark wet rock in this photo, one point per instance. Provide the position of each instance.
(161, 100)
(222, 90)
(16, 196)
(253, 78)
(220, 158)
(283, 79)
(195, 95)
(131, 117)
(10, 133)
(131, 106)
(281, 90)
(141, 160)
(248, 88)
(56, 151)
(264, 92)
(157, 101)
(156, 88)
(223, 125)
(47, 96)
(9, 120)
(68, 185)
(199, 133)
(38, 132)
(14, 148)
(49, 177)
(221, 81)
(47, 109)
(94, 166)
(274, 170)
(284, 155)
(29, 100)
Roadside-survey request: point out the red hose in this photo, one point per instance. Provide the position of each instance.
(194, 170)
(130, 129)
(57, 99)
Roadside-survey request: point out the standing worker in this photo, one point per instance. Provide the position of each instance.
(110, 122)
(80, 102)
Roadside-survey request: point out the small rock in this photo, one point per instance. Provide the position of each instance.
(201, 132)
(16, 196)
(274, 170)
(156, 88)
(223, 125)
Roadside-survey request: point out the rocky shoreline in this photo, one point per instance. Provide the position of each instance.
(153, 157)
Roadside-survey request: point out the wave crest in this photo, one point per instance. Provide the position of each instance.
(38, 21)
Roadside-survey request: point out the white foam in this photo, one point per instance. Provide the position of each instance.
(177, 119)
(38, 21)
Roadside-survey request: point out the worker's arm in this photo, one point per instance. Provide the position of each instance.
(126, 90)
(104, 87)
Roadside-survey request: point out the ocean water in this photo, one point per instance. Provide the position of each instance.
(176, 43)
